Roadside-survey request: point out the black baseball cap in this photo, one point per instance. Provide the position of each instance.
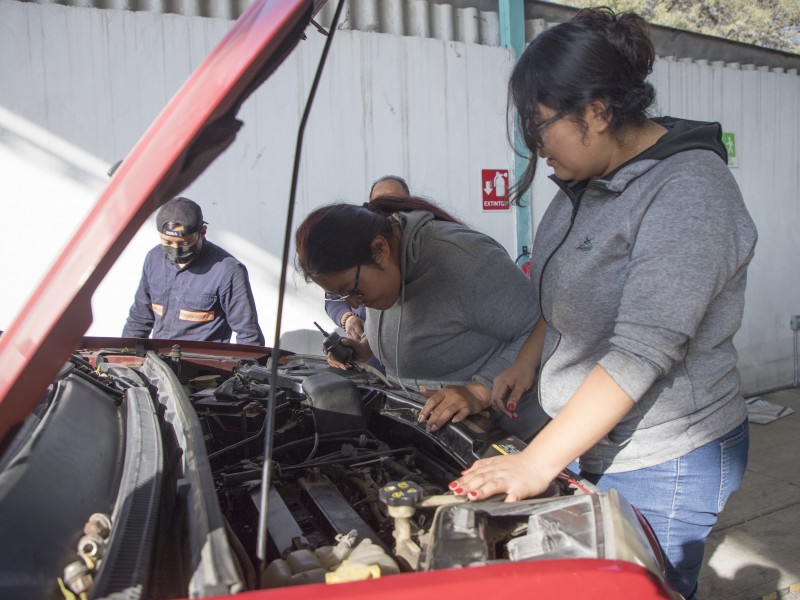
(179, 212)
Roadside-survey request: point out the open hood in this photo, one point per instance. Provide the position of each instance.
(195, 127)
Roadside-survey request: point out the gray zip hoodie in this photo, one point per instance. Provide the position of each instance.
(464, 311)
(643, 272)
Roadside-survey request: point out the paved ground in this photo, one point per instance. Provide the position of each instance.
(754, 551)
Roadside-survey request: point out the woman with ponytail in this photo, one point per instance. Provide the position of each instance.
(640, 266)
(447, 308)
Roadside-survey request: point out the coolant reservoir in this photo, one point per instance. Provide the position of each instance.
(332, 556)
(303, 560)
(367, 553)
(301, 566)
(334, 564)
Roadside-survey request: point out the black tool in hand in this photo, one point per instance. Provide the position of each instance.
(333, 344)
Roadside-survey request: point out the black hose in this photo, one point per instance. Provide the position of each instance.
(326, 437)
(240, 443)
(241, 554)
(338, 460)
(113, 391)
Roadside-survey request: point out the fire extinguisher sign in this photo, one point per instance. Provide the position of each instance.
(494, 189)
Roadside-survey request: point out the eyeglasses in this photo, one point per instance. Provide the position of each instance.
(547, 122)
(354, 293)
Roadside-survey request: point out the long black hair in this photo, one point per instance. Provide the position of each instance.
(597, 55)
(337, 237)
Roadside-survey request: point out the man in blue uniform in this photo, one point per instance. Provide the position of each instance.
(190, 288)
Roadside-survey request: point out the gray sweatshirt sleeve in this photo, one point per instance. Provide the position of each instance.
(693, 240)
(501, 305)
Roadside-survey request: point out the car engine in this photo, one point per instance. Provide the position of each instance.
(155, 460)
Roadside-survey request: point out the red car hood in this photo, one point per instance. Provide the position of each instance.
(192, 130)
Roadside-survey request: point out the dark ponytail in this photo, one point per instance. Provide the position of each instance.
(390, 203)
(337, 237)
(596, 55)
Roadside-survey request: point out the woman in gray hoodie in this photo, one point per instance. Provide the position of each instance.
(447, 308)
(640, 263)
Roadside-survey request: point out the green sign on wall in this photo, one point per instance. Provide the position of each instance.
(729, 139)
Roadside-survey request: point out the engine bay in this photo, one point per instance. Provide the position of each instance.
(358, 487)
(357, 480)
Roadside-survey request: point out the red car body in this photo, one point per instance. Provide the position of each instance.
(196, 126)
(575, 579)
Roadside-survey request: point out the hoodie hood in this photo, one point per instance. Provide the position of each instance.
(414, 237)
(682, 135)
(685, 135)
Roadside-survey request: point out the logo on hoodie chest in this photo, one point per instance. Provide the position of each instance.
(585, 245)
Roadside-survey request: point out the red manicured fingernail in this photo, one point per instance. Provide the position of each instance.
(472, 494)
(465, 470)
(459, 490)
(512, 406)
(453, 485)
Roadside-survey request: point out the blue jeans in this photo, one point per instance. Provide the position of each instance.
(681, 499)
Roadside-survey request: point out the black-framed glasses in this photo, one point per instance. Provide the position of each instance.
(547, 122)
(354, 293)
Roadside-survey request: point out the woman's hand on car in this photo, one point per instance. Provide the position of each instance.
(516, 475)
(510, 385)
(453, 402)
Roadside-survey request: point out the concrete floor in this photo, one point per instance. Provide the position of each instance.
(754, 550)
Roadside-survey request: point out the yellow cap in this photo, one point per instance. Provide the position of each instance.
(352, 571)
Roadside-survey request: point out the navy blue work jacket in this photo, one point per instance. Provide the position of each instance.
(206, 300)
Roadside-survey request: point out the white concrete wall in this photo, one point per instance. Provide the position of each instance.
(80, 85)
(85, 83)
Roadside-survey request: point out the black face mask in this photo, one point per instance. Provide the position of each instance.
(182, 255)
